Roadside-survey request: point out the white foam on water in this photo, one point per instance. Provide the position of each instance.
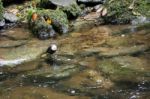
(11, 62)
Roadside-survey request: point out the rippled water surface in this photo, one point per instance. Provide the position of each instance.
(106, 62)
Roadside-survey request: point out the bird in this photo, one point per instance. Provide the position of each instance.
(52, 49)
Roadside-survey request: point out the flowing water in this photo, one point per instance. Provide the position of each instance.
(105, 62)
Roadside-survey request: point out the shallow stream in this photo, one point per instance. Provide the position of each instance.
(105, 62)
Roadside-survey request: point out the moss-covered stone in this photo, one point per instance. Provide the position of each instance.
(118, 12)
(70, 7)
(1, 10)
(142, 7)
(72, 11)
(46, 18)
(123, 11)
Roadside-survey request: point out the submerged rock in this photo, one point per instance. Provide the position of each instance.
(45, 33)
(52, 73)
(28, 52)
(81, 25)
(85, 81)
(22, 33)
(124, 69)
(37, 93)
(140, 20)
(12, 43)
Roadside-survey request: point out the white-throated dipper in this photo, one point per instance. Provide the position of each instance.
(52, 49)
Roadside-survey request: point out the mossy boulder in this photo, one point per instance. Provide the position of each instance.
(48, 21)
(1, 10)
(123, 11)
(72, 11)
(70, 7)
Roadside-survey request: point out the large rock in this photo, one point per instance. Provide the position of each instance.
(28, 52)
(58, 2)
(48, 20)
(10, 17)
(70, 7)
(22, 33)
(87, 81)
(124, 69)
(53, 72)
(123, 12)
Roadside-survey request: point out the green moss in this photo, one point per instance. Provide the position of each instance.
(1, 10)
(58, 18)
(119, 11)
(142, 7)
(72, 11)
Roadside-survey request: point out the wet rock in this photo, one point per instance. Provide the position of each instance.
(17, 33)
(28, 52)
(47, 22)
(81, 25)
(94, 37)
(123, 51)
(140, 20)
(124, 69)
(99, 42)
(9, 17)
(2, 23)
(12, 43)
(52, 73)
(46, 33)
(24, 67)
(87, 82)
